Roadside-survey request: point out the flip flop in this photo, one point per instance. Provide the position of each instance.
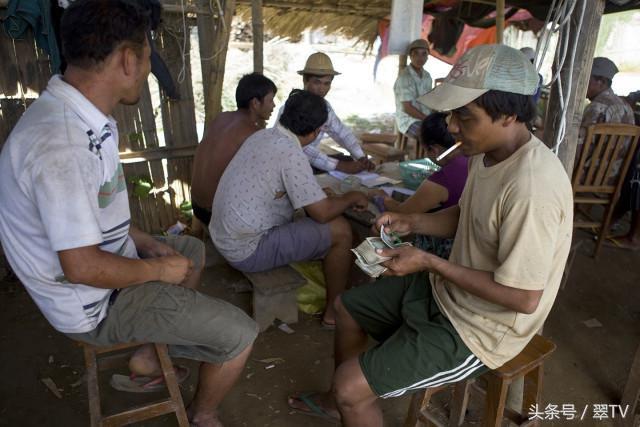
(135, 384)
(314, 409)
(328, 326)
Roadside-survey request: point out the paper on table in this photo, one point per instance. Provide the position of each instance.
(363, 176)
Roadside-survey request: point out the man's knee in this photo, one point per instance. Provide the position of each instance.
(350, 386)
(341, 233)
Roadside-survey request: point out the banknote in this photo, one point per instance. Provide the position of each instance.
(374, 270)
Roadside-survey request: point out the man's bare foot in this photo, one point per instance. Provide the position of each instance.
(144, 362)
(209, 419)
(316, 404)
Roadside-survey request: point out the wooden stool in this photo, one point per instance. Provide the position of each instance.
(172, 404)
(527, 364)
(274, 295)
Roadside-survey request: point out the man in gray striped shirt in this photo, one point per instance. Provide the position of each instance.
(65, 221)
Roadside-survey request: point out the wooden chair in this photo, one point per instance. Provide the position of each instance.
(631, 395)
(173, 403)
(600, 172)
(527, 364)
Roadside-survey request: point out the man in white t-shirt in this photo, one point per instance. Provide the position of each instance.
(65, 221)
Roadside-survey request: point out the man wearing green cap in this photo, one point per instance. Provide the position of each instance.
(412, 82)
(317, 76)
(605, 106)
(441, 320)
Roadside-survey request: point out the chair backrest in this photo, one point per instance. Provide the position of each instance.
(605, 157)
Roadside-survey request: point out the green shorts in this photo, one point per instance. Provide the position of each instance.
(418, 346)
(194, 325)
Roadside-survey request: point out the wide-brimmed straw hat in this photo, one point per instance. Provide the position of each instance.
(319, 64)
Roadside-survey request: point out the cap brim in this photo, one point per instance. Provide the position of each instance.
(318, 72)
(446, 97)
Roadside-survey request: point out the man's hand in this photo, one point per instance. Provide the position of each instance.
(366, 163)
(402, 224)
(360, 202)
(406, 260)
(153, 248)
(173, 269)
(350, 166)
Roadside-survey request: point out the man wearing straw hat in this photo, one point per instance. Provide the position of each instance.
(412, 82)
(317, 76)
(443, 320)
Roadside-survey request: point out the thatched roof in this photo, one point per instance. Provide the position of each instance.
(354, 19)
(358, 19)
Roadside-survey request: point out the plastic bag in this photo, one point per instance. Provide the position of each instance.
(311, 297)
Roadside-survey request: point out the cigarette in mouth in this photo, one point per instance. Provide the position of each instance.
(449, 150)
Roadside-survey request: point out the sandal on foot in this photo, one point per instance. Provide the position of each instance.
(135, 384)
(313, 409)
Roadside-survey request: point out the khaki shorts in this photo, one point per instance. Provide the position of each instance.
(195, 326)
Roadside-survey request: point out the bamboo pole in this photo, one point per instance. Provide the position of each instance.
(500, 21)
(585, 49)
(213, 35)
(258, 35)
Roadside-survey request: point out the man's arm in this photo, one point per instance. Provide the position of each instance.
(331, 207)
(343, 135)
(480, 283)
(443, 223)
(92, 266)
(408, 108)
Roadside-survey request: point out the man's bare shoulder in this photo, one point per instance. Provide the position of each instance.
(230, 126)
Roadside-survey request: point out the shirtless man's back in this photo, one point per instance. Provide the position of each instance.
(225, 135)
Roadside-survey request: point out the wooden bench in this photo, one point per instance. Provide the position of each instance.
(274, 295)
(384, 138)
(383, 153)
(528, 365)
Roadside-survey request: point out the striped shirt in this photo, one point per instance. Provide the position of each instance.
(62, 187)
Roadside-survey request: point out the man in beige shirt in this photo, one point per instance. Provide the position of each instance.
(446, 320)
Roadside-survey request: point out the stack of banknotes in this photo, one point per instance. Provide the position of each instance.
(367, 258)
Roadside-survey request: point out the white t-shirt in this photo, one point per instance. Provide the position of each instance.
(62, 187)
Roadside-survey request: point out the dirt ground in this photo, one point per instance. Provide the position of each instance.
(589, 367)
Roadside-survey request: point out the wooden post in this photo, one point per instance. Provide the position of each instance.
(402, 63)
(579, 80)
(213, 35)
(500, 21)
(258, 35)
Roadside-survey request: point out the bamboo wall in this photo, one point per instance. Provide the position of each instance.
(25, 72)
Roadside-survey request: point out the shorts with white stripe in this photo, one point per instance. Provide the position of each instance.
(418, 347)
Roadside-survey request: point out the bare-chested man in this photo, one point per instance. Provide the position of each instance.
(225, 135)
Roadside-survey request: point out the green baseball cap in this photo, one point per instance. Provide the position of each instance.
(479, 70)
